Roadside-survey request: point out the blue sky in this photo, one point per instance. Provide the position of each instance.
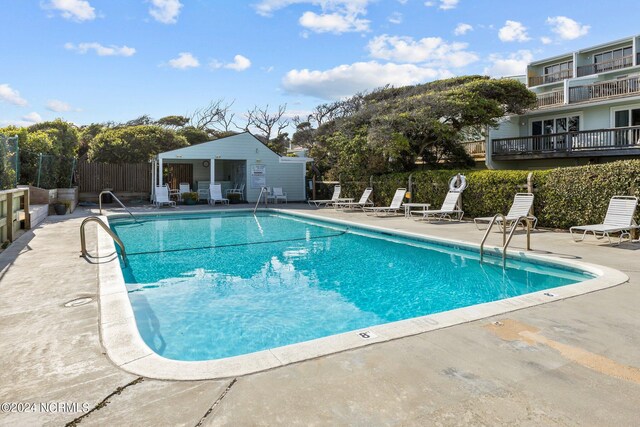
(113, 60)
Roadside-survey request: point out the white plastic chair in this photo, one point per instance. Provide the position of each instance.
(215, 194)
(395, 205)
(619, 218)
(334, 198)
(162, 197)
(447, 210)
(521, 206)
(278, 195)
(363, 202)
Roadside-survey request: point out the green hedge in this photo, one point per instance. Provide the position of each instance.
(564, 196)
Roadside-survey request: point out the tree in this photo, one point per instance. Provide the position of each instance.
(133, 144)
(214, 118)
(269, 125)
(399, 129)
(173, 121)
(194, 135)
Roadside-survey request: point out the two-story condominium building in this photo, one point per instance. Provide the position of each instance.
(588, 111)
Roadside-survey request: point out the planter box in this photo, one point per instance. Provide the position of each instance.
(68, 195)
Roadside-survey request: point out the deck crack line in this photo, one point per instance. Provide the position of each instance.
(217, 402)
(104, 402)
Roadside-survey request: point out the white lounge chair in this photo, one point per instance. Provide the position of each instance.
(161, 197)
(184, 187)
(173, 193)
(203, 190)
(334, 198)
(215, 194)
(239, 189)
(619, 218)
(521, 206)
(364, 201)
(448, 209)
(278, 194)
(395, 205)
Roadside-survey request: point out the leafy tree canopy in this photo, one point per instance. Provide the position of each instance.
(400, 129)
(133, 144)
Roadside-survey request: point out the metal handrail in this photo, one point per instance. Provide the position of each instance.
(486, 234)
(505, 240)
(117, 200)
(116, 239)
(513, 229)
(262, 190)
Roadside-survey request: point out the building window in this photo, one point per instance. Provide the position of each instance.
(556, 126)
(626, 118)
(557, 72)
(613, 59)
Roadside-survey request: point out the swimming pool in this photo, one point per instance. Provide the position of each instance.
(213, 286)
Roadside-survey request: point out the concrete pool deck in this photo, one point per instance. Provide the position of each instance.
(570, 362)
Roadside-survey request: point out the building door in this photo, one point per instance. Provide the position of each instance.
(627, 119)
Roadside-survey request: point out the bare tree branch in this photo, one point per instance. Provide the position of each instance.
(270, 125)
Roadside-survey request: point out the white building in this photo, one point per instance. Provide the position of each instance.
(588, 111)
(232, 161)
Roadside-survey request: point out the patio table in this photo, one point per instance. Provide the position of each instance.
(408, 206)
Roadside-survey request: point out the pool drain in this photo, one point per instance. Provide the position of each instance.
(78, 302)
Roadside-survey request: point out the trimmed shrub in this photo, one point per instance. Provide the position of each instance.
(564, 196)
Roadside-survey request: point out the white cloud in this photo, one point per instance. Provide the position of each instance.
(165, 11)
(546, 40)
(512, 65)
(240, 63)
(462, 29)
(101, 50)
(395, 18)
(12, 96)
(32, 117)
(444, 4)
(267, 7)
(513, 31)
(448, 4)
(333, 22)
(337, 16)
(75, 10)
(432, 50)
(183, 61)
(567, 28)
(346, 80)
(59, 106)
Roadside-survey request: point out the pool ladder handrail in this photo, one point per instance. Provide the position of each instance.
(116, 239)
(117, 200)
(266, 199)
(505, 240)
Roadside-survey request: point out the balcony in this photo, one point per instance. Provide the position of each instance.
(550, 78)
(589, 143)
(550, 99)
(614, 64)
(476, 149)
(605, 90)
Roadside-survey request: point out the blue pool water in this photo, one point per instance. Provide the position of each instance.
(209, 286)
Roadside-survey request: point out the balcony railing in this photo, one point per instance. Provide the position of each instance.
(550, 99)
(602, 140)
(605, 90)
(475, 149)
(550, 78)
(614, 64)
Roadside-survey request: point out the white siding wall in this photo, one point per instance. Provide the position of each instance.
(245, 147)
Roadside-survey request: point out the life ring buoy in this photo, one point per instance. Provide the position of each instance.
(456, 186)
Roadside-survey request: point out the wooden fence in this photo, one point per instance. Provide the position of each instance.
(127, 178)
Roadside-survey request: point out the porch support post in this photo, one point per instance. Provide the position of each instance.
(160, 172)
(212, 171)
